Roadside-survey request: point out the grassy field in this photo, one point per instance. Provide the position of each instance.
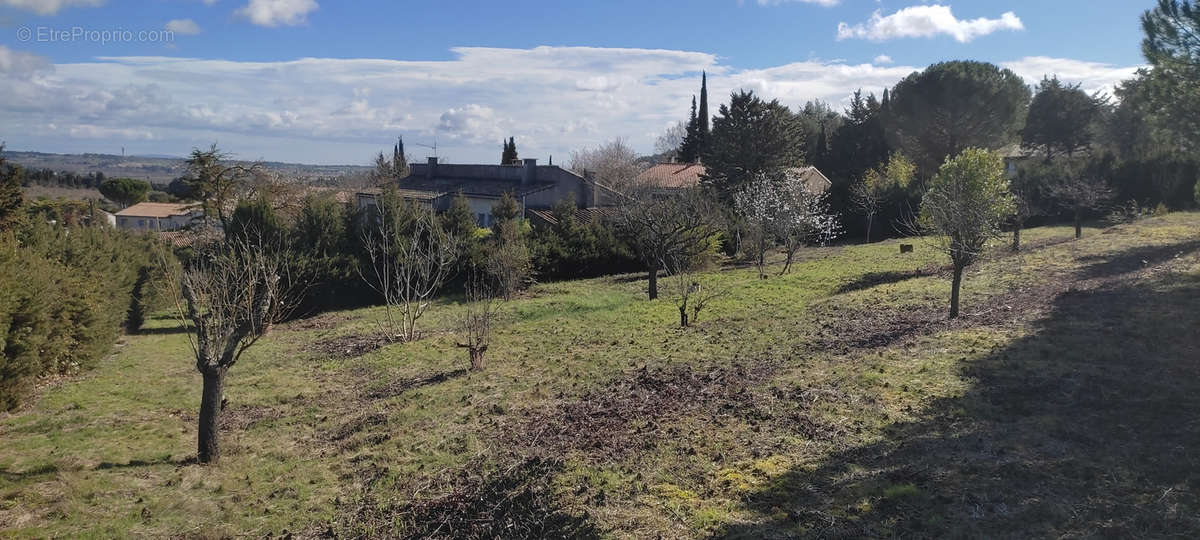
(836, 401)
(54, 192)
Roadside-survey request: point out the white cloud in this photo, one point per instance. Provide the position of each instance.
(49, 7)
(883, 59)
(927, 21)
(186, 27)
(20, 64)
(1091, 76)
(552, 99)
(277, 12)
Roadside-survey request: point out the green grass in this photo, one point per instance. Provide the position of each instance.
(1062, 404)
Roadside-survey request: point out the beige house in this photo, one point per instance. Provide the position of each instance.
(149, 216)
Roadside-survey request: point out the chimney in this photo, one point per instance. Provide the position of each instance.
(429, 169)
(529, 175)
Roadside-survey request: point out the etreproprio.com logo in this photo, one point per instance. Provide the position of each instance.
(80, 34)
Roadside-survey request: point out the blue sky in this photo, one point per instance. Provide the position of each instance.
(333, 82)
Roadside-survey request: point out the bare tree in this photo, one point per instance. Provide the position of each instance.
(668, 143)
(231, 292)
(965, 206)
(1079, 192)
(868, 195)
(409, 258)
(661, 228)
(613, 164)
(1028, 187)
(876, 185)
(692, 292)
(475, 324)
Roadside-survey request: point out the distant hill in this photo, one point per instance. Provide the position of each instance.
(163, 169)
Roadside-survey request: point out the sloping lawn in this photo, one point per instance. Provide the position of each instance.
(835, 401)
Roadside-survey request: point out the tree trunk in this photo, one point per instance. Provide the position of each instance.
(652, 289)
(1016, 245)
(954, 288)
(478, 361)
(208, 447)
(683, 318)
(869, 219)
(1078, 224)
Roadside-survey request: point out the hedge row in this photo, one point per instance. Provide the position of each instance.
(65, 294)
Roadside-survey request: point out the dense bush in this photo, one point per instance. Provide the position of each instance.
(326, 242)
(572, 250)
(1163, 179)
(65, 293)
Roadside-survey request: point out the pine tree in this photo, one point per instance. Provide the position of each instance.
(690, 149)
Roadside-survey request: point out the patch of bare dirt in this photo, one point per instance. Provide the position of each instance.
(617, 419)
(243, 417)
(352, 346)
(482, 500)
(325, 321)
(634, 413)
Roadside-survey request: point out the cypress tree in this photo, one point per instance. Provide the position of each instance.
(703, 107)
(399, 162)
(509, 155)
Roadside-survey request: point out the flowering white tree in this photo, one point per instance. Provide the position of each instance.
(803, 218)
(758, 204)
(780, 209)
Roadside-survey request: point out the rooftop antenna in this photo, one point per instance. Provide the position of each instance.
(433, 146)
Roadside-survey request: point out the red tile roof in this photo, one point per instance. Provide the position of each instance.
(672, 175)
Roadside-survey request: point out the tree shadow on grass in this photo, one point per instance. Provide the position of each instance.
(400, 386)
(1104, 266)
(875, 279)
(1088, 427)
(41, 470)
(138, 463)
(163, 330)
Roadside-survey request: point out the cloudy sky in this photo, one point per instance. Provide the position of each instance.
(318, 81)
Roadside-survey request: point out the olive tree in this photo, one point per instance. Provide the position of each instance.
(965, 206)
